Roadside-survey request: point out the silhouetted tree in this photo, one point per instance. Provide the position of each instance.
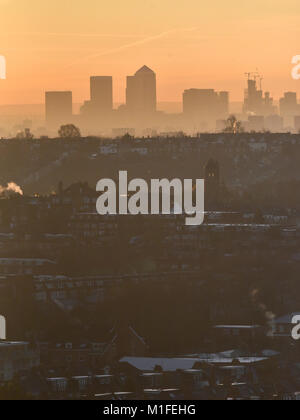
(26, 134)
(233, 125)
(69, 131)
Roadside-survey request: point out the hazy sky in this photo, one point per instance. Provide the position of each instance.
(58, 44)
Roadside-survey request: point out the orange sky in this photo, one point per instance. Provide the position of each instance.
(58, 44)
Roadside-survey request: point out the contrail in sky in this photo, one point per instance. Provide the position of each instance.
(75, 34)
(133, 44)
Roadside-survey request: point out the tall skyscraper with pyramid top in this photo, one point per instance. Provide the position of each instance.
(141, 92)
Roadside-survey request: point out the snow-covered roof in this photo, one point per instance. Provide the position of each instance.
(169, 364)
(4, 343)
(240, 327)
(285, 319)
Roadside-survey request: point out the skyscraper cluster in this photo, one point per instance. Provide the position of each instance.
(141, 101)
(202, 109)
(256, 101)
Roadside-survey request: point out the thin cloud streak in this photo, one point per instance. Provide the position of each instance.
(134, 44)
(74, 34)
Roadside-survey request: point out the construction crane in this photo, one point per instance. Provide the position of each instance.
(254, 75)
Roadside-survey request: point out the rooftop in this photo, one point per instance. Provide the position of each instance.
(240, 327)
(4, 343)
(168, 364)
(286, 319)
(143, 70)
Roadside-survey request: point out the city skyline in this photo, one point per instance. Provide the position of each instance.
(199, 110)
(58, 47)
(202, 109)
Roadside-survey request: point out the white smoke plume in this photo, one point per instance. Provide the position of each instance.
(11, 188)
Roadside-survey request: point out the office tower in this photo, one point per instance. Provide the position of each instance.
(101, 88)
(268, 105)
(274, 123)
(253, 98)
(256, 101)
(224, 103)
(288, 105)
(141, 93)
(297, 123)
(256, 122)
(205, 105)
(58, 108)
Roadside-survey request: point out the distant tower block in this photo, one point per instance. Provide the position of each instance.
(141, 92)
(58, 108)
(205, 104)
(297, 123)
(101, 94)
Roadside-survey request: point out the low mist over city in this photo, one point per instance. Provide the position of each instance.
(149, 205)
